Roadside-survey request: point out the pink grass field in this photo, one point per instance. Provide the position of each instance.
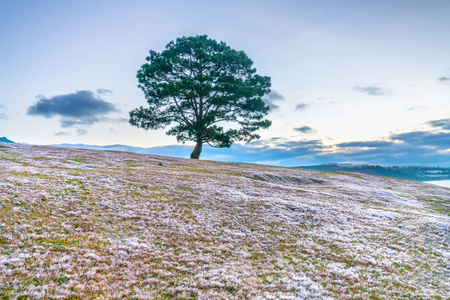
(85, 224)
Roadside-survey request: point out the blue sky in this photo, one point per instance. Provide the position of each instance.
(361, 81)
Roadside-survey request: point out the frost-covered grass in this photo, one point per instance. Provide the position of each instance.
(86, 224)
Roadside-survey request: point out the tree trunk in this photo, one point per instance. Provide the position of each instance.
(197, 150)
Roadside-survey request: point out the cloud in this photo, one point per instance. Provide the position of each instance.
(272, 97)
(364, 144)
(408, 143)
(444, 79)
(417, 147)
(305, 129)
(301, 106)
(443, 124)
(81, 131)
(62, 133)
(409, 148)
(370, 90)
(104, 91)
(429, 140)
(2, 115)
(117, 120)
(416, 108)
(274, 152)
(82, 108)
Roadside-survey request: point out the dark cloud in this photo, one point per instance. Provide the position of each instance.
(272, 97)
(305, 129)
(301, 106)
(79, 108)
(370, 90)
(104, 91)
(444, 79)
(443, 123)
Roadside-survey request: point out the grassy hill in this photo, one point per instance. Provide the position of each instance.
(84, 224)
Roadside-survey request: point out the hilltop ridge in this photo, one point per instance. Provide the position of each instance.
(88, 223)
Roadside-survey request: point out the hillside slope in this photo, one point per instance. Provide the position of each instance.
(85, 223)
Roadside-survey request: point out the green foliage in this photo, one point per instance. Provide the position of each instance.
(198, 85)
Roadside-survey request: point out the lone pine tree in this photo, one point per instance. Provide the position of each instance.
(199, 85)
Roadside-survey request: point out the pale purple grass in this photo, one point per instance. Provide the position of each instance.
(86, 224)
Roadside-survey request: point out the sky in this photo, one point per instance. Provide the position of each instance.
(352, 81)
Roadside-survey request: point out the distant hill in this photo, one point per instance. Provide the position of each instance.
(418, 173)
(173, 150)
(86, 224)
(5, 140)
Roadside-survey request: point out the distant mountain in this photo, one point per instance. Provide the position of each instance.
(5, 140)
(173, 150)
(418, 173)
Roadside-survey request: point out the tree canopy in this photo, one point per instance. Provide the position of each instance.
(199, 85)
